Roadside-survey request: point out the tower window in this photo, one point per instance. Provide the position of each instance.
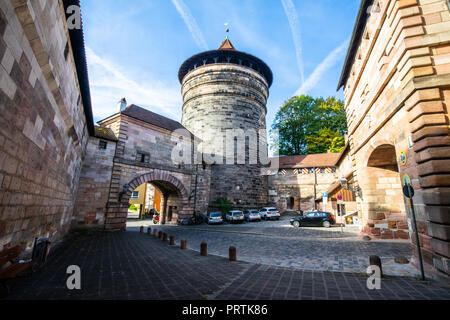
(102, 145)
(143, 157)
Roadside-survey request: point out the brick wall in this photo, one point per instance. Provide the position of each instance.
(43, 131)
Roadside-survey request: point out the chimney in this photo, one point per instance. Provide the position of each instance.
(122, 105)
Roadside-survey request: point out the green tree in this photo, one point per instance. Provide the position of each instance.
(224, 205)
(307, 125)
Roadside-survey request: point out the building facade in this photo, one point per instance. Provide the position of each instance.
(399, 123)
(301, 181)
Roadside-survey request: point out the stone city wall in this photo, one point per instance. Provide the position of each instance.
(95, 180)
(43, 131)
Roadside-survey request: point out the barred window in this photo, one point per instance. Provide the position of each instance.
(102, 144)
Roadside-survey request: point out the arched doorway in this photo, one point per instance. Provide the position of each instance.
(383, 203)
(175, 197)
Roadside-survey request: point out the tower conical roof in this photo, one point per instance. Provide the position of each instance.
(226, 53)
(227, 45)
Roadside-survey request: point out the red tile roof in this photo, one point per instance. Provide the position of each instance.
(155, 119)
(227, 45)
(309, 161)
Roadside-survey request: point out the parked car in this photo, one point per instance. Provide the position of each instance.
(314, 219)
(252, 215)
(214, 217)
(235, 216)
(270, 213)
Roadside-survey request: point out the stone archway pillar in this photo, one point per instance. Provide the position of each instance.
(164, 213)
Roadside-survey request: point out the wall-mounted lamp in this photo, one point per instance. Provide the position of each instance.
(345, 186)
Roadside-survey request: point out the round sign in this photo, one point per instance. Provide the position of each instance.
(406, 180)
(339, 197)
(403, 158)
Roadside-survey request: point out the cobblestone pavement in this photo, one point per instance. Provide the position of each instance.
(131, 265)
(278, 244)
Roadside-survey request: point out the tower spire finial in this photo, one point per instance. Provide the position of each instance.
(227, 30)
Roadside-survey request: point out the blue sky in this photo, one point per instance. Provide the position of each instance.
(135, 47)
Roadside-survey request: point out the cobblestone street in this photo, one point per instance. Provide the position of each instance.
(131, 265)
(276, 243)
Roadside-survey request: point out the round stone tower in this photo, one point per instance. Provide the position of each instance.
(225, 92)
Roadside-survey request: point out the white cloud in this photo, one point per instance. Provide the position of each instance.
(191, 23)
(294, 23)
(322, 68)
(108, 85)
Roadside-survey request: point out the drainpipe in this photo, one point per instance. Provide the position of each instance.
(315, 188)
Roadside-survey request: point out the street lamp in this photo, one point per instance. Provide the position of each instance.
(345, 186)
(344, 183)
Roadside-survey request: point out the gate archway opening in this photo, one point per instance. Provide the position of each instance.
(174, 201)
(383, 203)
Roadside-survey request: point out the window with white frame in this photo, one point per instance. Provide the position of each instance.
(135, 195)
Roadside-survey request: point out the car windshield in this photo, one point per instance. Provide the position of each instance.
(273, 210)
(216, 214)
(238, 213)
(254, 211)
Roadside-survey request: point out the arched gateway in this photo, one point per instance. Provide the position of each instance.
(174, 192)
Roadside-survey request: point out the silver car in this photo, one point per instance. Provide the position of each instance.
(252, 215)
(214, 217)
(270, 213)
(235, 216)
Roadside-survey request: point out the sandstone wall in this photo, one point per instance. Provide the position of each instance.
(95, 180)
(43, 131)
(405, 47)
(300, 187)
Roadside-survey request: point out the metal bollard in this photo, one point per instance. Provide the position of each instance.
(376, 261)
(164, 237)
(160, 234)
(155, 233)
(149, 230)
(232, 254)
(141, 229)
(172, 241)
(183, 244)
(204, 249)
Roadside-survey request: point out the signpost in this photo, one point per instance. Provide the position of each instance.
(408, 191)
(325, 198)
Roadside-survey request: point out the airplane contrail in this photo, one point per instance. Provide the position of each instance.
(294, 23)
(326, 64)
(191, 23)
